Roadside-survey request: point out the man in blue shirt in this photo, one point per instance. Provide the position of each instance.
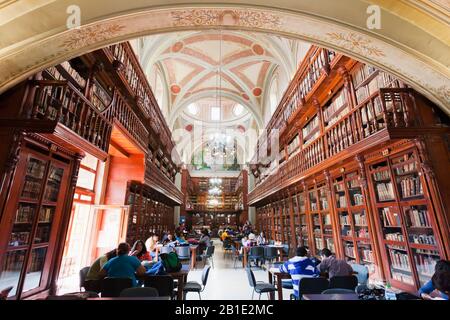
(124, 266)
(299, 267)
(442, 266)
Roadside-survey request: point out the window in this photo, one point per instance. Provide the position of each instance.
(238, 110)
(215, 113)
(192, 109)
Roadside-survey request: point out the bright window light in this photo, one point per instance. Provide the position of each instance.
(238, 110)
(215, 113)
(192, 108)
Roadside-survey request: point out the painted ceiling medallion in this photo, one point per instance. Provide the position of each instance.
(189, 127)
(177, 47)
(257, 49)
(245, 96)
(257, 92)
(175, 89)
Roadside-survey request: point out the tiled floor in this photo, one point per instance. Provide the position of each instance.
(226, 282)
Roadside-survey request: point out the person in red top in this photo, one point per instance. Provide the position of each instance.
(140, 251)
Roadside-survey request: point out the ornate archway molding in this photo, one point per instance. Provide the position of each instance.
(429, 74)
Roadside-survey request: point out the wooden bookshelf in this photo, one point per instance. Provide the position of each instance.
(405, 219)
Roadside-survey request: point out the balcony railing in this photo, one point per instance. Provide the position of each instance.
(316, 64)
(61, 102)
(385, 110)
(161, 183)
(123, 113)
(128, 66)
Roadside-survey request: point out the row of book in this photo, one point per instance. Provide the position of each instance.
(394, 236)
(418, 218)
(330, 244)
(293, 145)
(399, 260)
(360, 219)
(361, 74)
(358, 199)
(345, 219)
(385, 191)
(422, 239)
(366, 255)
(403, 278)
(411, 187)
(353, 184)
(425, 265)
(311, 126)
(326, 219)
(382, 175)
(349, 251)
(35, 168)
(51, 193)
(25, 213)
(390, 218)
(362, 233)
(13, 261)
(31, 189)
(342, 201)
(407, 168)
(46, 214)
(324, 203)
(74, 74)
(346, 231)
(331, 114)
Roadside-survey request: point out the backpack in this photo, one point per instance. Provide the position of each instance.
(171, 262)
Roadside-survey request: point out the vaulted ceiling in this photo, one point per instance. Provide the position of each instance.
(222, 68)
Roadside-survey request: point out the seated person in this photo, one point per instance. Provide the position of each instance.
(179, 238)
(332, 266)
(299, 267)
(139, 250)
(124, 265)
(224, 235)
(261, 240)
(94, 275)
(426, 290)
(152, 244)
(441, 281)
(170, 241)
(205, 241)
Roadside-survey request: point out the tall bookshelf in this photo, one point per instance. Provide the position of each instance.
(320, 217)
(34, 214)
(405, 219)
(353, 219)
(146, 214)
(301, 220)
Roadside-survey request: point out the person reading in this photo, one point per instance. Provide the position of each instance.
(334, 267)
(139, 250)
(442, 266)
(124, 265)
(94, 275)
(299, 267)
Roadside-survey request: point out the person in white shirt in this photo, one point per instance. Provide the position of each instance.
(261, 240)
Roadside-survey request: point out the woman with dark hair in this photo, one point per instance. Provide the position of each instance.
(205, 240)
(93, 277)
(441, 271)
(139, 250)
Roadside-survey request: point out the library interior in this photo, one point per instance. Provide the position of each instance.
(224, 152)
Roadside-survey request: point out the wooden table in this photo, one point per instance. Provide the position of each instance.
(333, 296)
(181, 276)
(275, 272)
(128, 298)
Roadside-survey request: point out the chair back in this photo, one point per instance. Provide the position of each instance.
(205, 275)
(112, 287)
(83, 274)
(256, 252)
(286, 250)
(337, 291)
(313, 285)
(139, 292)
(250, 277)
(270, 252)
(363, 273)
(209, 251)
(344, 282)
(163, 284)
(183, 252)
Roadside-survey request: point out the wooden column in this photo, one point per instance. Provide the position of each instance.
(292, 220)
(371, 213)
